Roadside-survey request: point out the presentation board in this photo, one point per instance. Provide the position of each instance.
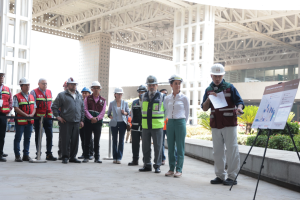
(276, 105)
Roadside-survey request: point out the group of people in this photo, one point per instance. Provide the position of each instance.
(154, 115)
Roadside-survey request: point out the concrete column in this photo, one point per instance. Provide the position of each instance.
(193, 51)
(15, 32)
(94, 60)
(299, 65)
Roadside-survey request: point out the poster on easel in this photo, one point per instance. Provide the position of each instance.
(276, 105)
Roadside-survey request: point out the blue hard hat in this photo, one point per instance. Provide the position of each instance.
(85, 89)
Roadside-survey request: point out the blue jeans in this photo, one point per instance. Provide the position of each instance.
(118, 149)
(20, 129)
(163, 148)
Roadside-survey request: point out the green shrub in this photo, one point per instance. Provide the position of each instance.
(294, 127)
(260, 142)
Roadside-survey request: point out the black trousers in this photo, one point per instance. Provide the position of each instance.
(136, 138)
(47, 124)
(89, 129)
(3, 123)
(69, 136)
(91, 147)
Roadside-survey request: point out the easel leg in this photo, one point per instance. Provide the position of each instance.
(292, 137)
(262, 163)
(246, 157)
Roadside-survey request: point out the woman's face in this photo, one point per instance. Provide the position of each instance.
(176, 86)
(118, 96)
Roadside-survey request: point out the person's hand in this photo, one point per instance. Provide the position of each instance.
(111, 117)
(61, 120)
(212, 93)
(239, 111)
(94, 120)
(123, 112)
(81, 124)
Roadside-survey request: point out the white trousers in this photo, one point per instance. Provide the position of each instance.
(226, 137)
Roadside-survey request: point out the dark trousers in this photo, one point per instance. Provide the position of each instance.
(20, 129)
(3, 123)
(136, 139)
(69, 136)
(47, 124)
(91, 147)
(89, 129)
(120, 130)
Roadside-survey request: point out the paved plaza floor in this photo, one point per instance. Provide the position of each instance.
(54, 180)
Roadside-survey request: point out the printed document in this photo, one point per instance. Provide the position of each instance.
(218, 101)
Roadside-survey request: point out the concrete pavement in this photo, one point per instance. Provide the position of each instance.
(54, 180)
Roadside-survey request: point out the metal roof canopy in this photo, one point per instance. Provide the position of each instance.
(242, 36)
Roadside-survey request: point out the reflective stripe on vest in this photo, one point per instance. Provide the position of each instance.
(6, 98)
(43, 103)
(26, 106)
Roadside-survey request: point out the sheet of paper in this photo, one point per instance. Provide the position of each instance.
(218, 101)
(1, 102)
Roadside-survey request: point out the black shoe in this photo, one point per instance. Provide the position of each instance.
(18, 159)
(157, 170)
(229, 182)
(59, 158)
(133, 163)
(85, 160)
(4, 155)
(51, 157)
(91, 157)
(2, 159)
(65, 160)
(74, 160)
(217, 180)
(97, 160)
(146, 169)
(81, 157)
(26, 158)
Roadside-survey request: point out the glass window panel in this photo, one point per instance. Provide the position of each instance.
(279, 73)
(227, 76)
(22, 53)
(24, 8)
(12, 6)
(296, 72)
(234, 76)
(10, 51)
(9, 73)
(23, 33)
(21, 70)
(11, 30)
(250, 75)
(269, 74)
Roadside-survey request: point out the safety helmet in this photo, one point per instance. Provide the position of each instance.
(118, 90)
(85, 89)
(24, 81)
(175, 77)
(142, 88)
(151, 80)
(1, 71)
(72, 80)
(217, 69)
(65, 84)
(96, 83)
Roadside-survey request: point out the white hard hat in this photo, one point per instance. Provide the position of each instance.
(175, 77)
(217, 69)
(118, 90)
(1, 71)
(72, 80)
(24, 81)
(96, 83)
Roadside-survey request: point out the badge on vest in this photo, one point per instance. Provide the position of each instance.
(156, 107)
(1, 102)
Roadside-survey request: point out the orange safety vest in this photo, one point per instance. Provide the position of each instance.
(26, 106)
(5, 97)
(43, 103)
(165, 126)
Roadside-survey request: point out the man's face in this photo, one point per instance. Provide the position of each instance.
(25, 88)
(2, 76)
(85, 94)
(43, 85)
(164, 92)
(72, 87)
(96, 90)
(217, 79)
(140, 93)
(152, 87)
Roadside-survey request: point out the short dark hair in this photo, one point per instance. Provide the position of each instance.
(163, 90)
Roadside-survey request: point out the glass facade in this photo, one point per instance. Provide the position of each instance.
(282, 73)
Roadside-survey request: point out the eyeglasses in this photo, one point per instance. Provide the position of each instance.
(2, 75)
(44, 83)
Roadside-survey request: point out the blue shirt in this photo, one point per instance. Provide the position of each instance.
(235, 96)
(16, 102)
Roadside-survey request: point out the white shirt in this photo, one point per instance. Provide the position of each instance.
(177, 107)
(119, 119)
(73, 94)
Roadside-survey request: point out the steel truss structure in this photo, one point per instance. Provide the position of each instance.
(150, 27)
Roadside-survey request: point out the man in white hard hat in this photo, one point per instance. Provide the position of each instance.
(94, 108)
(43, 100)
(70, 119)
(223, 122)
(152, 124)
(24, 106)
(5, 108)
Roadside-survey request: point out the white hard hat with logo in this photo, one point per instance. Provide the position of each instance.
(217, 69)
(96, 83)
(175, 77)
(72, 80)
(118, 90)
(24, 81)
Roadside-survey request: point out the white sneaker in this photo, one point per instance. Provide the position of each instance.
(115, 161)
(118, 161)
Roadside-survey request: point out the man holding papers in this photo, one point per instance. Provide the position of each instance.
(225, 103)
